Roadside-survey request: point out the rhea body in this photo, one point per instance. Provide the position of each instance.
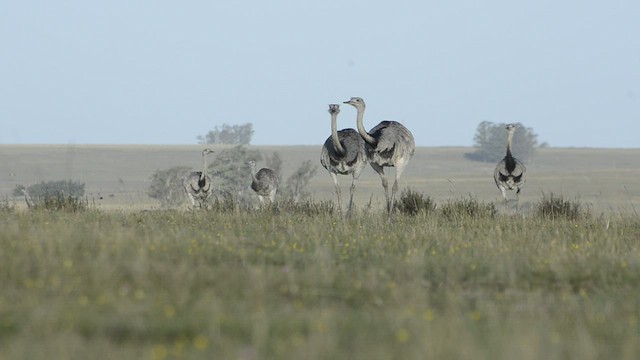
(343, 153)
(388, 144)
(510, 172)
(264, 183)
(198, 185)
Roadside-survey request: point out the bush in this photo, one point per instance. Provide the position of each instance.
(295, 187)
(5, 206)
(306, 207)
(167, 186)
(224, 203)
(57, 202)
(51, 188)
(231, 173)
(412, 202)
(555, 207)
(61, 195)
(468, 208)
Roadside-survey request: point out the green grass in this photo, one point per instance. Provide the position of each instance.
(300, 283)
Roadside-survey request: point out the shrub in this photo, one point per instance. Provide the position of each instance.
(296, 185)
(556, 206)
(57, 202)
(224, 203)
(5, 206)
(51, 188)
(61, 195)
(412, 202)
(230, 171)
(167, 186)
(468, 208)
(306, 207)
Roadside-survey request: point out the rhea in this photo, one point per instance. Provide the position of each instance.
(343, 153)
(198, 183)
(264, 183)
(388, 144)
(510, 172)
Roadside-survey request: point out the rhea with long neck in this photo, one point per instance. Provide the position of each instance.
(389, 144)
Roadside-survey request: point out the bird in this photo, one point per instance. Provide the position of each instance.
(198, 184)
(264, 183)
(343, 153)
(510, 172)
(388, 144)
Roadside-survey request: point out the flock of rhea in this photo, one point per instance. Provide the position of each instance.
(347, 152)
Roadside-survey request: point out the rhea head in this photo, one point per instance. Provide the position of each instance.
(356, 102)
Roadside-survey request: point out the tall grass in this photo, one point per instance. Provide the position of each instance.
(290, 284)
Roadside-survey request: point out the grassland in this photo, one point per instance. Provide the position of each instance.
(120, 281)
(264, 285)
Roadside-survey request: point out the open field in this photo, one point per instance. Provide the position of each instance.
(263, 285)
(124, 280)
(606, 179)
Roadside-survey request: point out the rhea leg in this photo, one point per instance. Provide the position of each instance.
(193, 200)
(385, 184)
(399, 170)
(503, 191)
(272, 196)
(352, 190)
(337, 185)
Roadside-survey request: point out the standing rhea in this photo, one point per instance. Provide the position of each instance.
(510, 172)
(388, 144)
(198, 183)
(343, 153)
(264, 182)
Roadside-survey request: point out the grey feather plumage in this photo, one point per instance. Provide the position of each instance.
(393, 143)
(264, 182)
(344, 163)
(510, 173)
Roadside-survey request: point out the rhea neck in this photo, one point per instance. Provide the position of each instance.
(334, 134)
(253, 171)
(509, 141)
(204, 167)
(363, 132)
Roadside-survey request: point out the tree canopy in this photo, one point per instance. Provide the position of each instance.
(228, 134)
(490, 141)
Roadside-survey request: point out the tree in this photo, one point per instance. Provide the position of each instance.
(230, 169)
(228, 134)
(167, 186)
(490, 141)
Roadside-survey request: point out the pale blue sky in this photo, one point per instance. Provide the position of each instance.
(164, 72)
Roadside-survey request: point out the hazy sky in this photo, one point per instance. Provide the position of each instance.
(164, 72)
